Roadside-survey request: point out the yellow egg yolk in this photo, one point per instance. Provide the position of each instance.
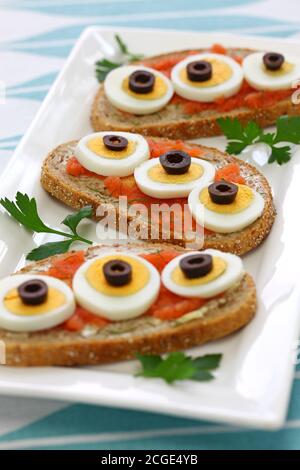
(218, 268)
(284, 70)
(158, 174)
(96, 278)
(13, 303)
(221, 72)
(159, 90)
(242, 201)
(97, 146)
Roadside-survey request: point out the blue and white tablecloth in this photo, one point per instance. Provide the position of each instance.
(35, 38)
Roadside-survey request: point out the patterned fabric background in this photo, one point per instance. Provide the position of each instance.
(36, 37)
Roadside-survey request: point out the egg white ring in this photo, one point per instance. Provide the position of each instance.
(109, 166)
(210, 93)
(233, 273)
(167, 190)
(12, 322)
(225, 223)
(256, 77)
(116, 308)
(125, 102)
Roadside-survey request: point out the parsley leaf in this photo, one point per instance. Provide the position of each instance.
(104, 66)
(287, 130)
(208, 362)
(49, 249)
(24, 210)
(122, 46)
(149, 362)
(124, 49)
(203, 376)
(179, 366)
(235, 147)
(251, 132)
(280, 155)
(267, 139)
(240, 137)
(73, 220)
(232, 128)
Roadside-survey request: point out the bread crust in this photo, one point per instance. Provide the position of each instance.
(79, 191)
(64, 348)
(196, 125)
(174, 124)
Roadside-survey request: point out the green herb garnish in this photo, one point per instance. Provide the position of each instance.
(124, 49)
(104, 66)
(287, 130)
(179, 366)
(24, 210)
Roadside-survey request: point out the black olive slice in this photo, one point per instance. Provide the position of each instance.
(115, 142)
(273, 60)
(197, 265)
(141, 81)
(175, 162)
(199, 71)
(222, 192)
(33, 292)
(117, 272)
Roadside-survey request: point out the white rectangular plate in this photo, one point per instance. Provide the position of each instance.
(252, 386)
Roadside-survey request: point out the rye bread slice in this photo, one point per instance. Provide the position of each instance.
(79, 191)
(121, 340)
(173, 122)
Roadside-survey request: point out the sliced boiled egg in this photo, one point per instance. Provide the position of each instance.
(224, 77)
(153, 180)
(112, 153)
(125, 88)
(247, 206)
(260, 77)
(17, 313)
(116, 286)
(222, 271)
